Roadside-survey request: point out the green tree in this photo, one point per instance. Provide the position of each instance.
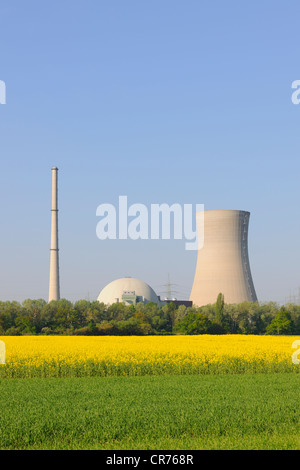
(170, 312)
(193, 324)
(281, 324)
(180, 313)
(220, 321)
(34, 309)
(64, 314)
(48, 313)
(118, 311)
(97, 312)
(294, 311)
(219, 309)
(80, 313)
(24, 324)
(9, 311)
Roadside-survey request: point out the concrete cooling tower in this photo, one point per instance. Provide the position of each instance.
(223, 262)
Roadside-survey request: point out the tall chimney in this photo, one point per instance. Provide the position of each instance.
(54, 293)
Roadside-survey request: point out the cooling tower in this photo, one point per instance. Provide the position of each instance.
(54, 293)
(223, 261)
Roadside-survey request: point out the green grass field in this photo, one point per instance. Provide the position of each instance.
(259, 411)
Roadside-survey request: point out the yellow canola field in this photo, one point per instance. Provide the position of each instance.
(74, 356)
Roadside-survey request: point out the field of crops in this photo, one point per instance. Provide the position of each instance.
(253, 411)
(85, 356)
(153, 392)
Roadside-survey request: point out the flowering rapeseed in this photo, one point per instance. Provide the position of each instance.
(67, 356)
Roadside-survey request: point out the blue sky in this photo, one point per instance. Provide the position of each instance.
(162, 101)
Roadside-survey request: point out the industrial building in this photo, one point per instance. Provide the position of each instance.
(223, 261)
(128, 290)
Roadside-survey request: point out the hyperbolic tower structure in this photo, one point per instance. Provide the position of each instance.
(54, 291)
(223, 261)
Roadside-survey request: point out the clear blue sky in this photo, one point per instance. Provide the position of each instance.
(163, 101)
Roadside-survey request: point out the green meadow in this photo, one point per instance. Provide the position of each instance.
(255, 412)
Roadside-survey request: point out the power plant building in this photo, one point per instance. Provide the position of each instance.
(128, 290)
(223, 261)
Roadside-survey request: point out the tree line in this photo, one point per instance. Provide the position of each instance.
(83, 317)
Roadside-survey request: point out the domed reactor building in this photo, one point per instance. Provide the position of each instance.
(129, 291)
(223, 261)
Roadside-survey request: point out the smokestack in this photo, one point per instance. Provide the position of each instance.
(54, 293)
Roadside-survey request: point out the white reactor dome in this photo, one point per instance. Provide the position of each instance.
(128, 290)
